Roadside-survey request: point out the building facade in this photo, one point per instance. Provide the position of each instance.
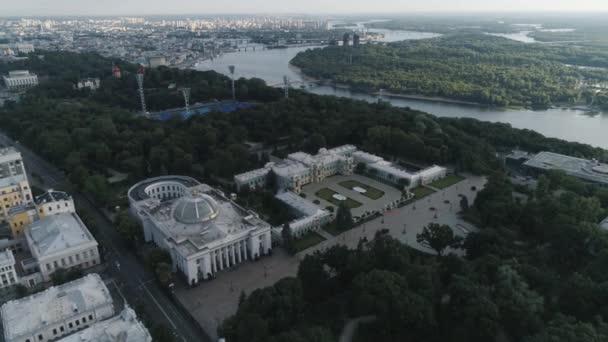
(58, 311)
(202, 229)
(50, 203)
(309, 217)
(20, 80)
(8, 275)
(14, 186)
(124, 327)
(300, 168)
(60, 241)
(90, 83)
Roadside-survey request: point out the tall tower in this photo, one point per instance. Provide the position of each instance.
(286, 86)
(140, 84)
(232, 68)
(186, 93)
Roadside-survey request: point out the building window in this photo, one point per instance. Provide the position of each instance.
(70, 325)
(77, 322)
(61, 328)
(40, 337)
(54, 331)
(84, 319)
(90, 317)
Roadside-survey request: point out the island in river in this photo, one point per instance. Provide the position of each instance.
(468, 67)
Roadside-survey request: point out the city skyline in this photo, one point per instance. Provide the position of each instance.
(193, 7)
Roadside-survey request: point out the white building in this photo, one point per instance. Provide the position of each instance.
(309, 217)
(91, 83)
(54, 202)
(156, 61)
(395, 174)
(124, 327)
(14, 186)
(301, 168)
(57, 311)
(60, 242)
(20, 80)
(8, 276)
(203, 230)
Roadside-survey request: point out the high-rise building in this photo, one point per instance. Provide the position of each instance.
(346, 39)
(356, 39)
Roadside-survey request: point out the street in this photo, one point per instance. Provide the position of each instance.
(134, 282)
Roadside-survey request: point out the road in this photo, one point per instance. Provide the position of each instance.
(134, 282)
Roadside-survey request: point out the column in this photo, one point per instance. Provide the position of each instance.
(213, 262)
(238, 252)
(244, 246)
(232, 254)
(221, 260)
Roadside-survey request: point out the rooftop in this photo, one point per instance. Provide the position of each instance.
(52, 196)
(55, 304)
(138, 191)
(56, 233)
(7, 151)
(20, 73)
(590, 170)
(288, 168)
(7, 258)
(201, 218)
(125, 327)
(303, 206)
(246, 176)
(12, 180)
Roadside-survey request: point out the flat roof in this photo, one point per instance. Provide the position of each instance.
(56, 233)
(52, 196)
(12, 180)
(590, 170)
(246, 176)
(125, 327)
(55, 304)
(7, 258)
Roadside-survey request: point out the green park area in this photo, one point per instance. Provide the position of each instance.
(327, 194)
(447, 181)
(421, 192)
(370, 192)
(306, 241)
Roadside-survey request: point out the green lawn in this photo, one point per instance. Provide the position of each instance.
(327, 194)
(447, 181)
(333, 229)
(421, 192)
(371, 193)
(307, 241)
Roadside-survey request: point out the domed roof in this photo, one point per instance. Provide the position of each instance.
(195, 209)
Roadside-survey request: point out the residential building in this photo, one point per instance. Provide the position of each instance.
(124, 327)
(587, 170)
(309, 217)
(8, 275)
(20, 80)
(14, 186)
(54, 202)
(60, 242)
(203, 230)
(50, 203)
(58, 311)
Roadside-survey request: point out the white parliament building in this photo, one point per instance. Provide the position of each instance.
(203, 230)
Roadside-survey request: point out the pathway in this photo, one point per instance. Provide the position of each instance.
(348, 332)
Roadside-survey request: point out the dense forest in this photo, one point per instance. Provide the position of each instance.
(471, 67)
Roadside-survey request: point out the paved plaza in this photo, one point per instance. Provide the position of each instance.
(213, 301)
(391, 194)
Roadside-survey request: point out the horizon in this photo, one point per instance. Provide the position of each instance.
(90, 8)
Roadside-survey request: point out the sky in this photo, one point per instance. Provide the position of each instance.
(149, 7)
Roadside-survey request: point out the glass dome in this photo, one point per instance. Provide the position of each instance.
(197, 209)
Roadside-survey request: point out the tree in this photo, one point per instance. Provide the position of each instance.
(97, 186)
(161, 333)
(287, 236)
(163, 273)
(464, 203)
(21, 291)
(129, 229)
(438, 237)
(344, 218)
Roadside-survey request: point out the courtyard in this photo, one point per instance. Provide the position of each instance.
(213, 301)
(363, 195)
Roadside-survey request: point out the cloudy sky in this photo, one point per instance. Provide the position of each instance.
(143, 7)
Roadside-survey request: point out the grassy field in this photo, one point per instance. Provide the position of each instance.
(307, 241)
(421, 192)
(371, 193)
(447, 181)
(327, 194)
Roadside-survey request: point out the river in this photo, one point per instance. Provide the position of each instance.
(272, 65)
